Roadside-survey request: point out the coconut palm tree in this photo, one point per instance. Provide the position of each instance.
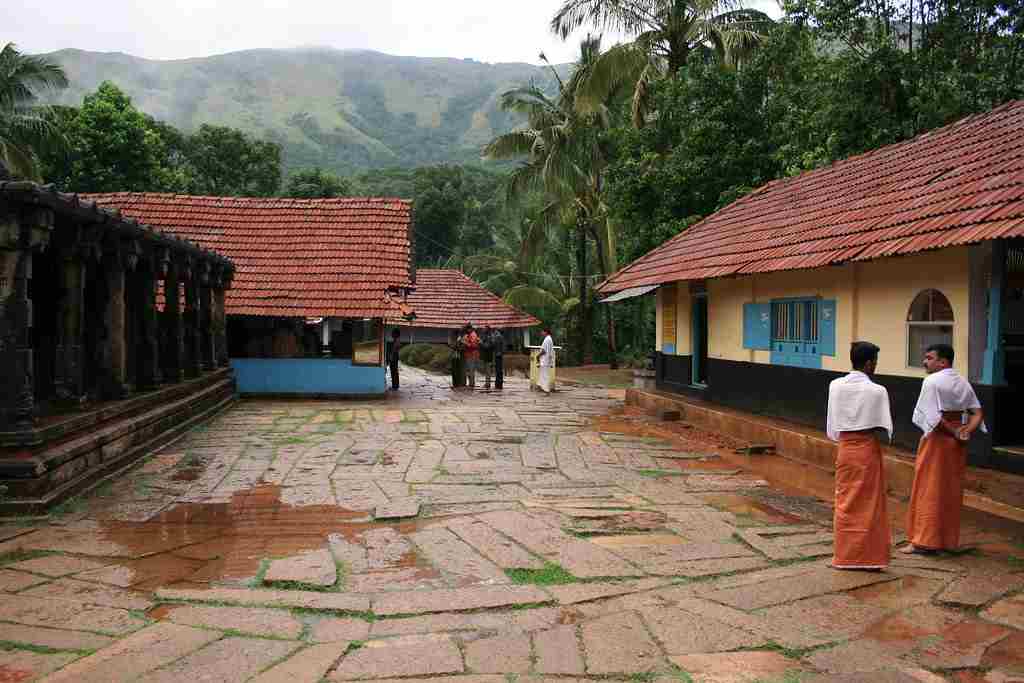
(25, 127)
(665, 33)
(564, 158)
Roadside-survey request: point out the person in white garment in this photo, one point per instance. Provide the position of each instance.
(859, 417)
(948, 413)
(547, 361)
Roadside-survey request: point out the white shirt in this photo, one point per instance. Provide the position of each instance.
(855, 403)
(548, 347)
(942, 391)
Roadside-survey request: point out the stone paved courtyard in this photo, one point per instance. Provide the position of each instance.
(479, 537)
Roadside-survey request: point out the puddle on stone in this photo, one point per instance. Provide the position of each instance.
(208, 543)
(748, 507)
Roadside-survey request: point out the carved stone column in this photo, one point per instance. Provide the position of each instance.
(173, 333)
(220, 320)
(191, 320)
(68, 375)
(149, 371)
(115, 384)
(21, 234)
(207, 352)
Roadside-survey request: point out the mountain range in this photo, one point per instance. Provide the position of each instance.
(343, 110)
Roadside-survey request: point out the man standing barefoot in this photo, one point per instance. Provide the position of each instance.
(858, 416)
(948, 412)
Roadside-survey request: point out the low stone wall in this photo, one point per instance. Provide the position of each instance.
(45, 466)
(996, 492)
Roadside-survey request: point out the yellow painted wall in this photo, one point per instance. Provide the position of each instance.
(872, 301)
(683, 323)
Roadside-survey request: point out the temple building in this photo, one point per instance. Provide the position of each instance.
(908, 245)
(444, 300)
(316, 279)
(112, 340)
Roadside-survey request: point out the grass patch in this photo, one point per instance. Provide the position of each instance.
(290, 440)
(792, 652)
(551, 574)
(1015, 562)
(69, 506)
(22, 555)
(644, 677)
(298, 586)
(788, 677)
(661, 473)
(8, 645)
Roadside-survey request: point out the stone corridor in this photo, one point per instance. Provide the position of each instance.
(476, 537)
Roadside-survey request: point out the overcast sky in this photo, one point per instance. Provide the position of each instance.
(485, 30)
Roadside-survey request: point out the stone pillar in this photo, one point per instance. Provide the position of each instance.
(115, 384)
(220, 324)
(191, 320)
(149, 374)
(207, 342)
(21, 233)
(68, 375)
(173, 333)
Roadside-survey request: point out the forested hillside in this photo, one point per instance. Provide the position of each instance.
(339, 109)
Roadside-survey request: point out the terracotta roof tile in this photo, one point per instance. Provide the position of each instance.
(960, 184)
(293, 257)
(449, 299)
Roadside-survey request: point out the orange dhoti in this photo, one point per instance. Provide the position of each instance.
(861, 521)
(933, 520)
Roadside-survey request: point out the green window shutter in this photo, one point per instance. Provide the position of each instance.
(757, 326)
(827, 327)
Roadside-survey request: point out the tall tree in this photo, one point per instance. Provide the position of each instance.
(230, 162)
(665, 33)
(565, 159)
(315, 183)
(26, 129)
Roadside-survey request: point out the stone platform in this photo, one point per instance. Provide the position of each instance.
(1000, 493)
(65, 455)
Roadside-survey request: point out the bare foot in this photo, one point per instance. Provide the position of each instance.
(911, 549)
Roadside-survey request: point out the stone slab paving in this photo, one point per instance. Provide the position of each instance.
(314, 568)
(401, 657)
(469, 537)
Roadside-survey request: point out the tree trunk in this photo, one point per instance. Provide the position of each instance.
(586, 323)
(613, 358)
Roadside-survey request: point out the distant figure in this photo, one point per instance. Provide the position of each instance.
(547, 361)
(471, 344)
(393, 358)
(858, 416)
(458, 363)
(948, 412)
(487, 354)
(498, 344)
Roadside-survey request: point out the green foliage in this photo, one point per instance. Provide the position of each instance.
(430, 356)
(228, 162)
(312, 183)
(26, 128)
(551, 574)
(113, 147)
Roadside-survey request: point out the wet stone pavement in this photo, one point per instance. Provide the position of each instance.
(476, 537)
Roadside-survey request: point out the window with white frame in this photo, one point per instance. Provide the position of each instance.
(929, 321)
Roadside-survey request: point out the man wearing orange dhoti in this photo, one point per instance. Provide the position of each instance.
(858, 417)
(948, 412)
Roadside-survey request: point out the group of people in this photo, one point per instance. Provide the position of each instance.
(859, 419)
(484, 351)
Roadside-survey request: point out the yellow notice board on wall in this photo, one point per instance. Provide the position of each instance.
(669, 302)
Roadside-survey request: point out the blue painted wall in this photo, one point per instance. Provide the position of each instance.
(306, 376)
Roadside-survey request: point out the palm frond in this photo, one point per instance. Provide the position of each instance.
(614, 70)
(531, 297)
(622, 16)
(517, 143)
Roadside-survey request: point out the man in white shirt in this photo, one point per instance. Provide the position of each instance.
(858, 416)
(948, 412)
(547, 361)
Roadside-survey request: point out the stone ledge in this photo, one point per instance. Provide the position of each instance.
(62, 477)
(998, 493)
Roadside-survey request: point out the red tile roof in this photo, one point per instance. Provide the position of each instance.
(294, 257)
(449, 299)
(960, 184)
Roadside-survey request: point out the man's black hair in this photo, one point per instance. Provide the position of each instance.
(944, 351)
(861, 352)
